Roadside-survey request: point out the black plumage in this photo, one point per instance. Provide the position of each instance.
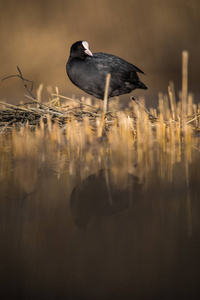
(88, 72)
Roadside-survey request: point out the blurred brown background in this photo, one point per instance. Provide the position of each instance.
(37, 35)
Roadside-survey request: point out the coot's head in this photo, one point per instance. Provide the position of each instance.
(80, 50)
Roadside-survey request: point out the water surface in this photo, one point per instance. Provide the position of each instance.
(92, 230)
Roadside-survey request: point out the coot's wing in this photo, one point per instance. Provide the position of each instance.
(113, 64)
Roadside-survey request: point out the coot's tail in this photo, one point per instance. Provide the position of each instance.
(141, 85)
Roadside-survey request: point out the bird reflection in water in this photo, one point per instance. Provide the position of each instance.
(99, 195)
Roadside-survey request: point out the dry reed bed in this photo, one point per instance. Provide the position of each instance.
(75, 133)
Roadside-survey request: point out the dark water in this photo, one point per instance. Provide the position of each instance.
(63, 239)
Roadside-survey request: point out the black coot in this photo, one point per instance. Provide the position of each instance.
(88, 72)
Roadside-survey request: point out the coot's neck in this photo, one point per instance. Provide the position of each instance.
(79, 57)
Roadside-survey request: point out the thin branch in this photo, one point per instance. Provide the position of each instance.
(144, 108)
(24, 80)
